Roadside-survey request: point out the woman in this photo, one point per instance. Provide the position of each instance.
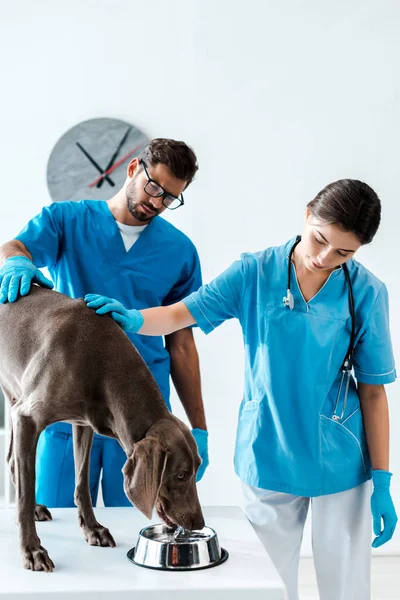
(313, 423)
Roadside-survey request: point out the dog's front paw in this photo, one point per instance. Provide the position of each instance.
(36, 558)
(98, 536)
(95, 534)
(42, 513)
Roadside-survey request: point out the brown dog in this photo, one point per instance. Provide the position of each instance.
(59, 361)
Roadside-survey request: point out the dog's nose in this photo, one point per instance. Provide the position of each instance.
(198, 522)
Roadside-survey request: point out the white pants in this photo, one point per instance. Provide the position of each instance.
(341, 538)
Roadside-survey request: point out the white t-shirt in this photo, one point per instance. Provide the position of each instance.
(130, 233)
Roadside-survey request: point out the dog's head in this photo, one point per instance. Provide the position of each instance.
(161, 472)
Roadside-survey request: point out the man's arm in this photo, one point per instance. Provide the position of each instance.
(185, 373)
(17, 272)
(20, 267)
(13, 248)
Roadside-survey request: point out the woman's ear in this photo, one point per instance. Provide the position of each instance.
(307, 214)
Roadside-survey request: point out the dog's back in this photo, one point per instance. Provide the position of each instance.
(55, 347)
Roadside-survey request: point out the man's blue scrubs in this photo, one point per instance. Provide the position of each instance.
(82, 247)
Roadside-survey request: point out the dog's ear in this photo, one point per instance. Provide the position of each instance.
(143, 473)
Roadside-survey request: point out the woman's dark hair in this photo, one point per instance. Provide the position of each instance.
(352, 205)
(179, 157)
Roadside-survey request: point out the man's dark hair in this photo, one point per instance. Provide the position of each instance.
(352, 205)
(178, 156)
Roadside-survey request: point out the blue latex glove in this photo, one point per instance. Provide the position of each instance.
(201, 437)
(382, 508)
(16, 276)
(130, 320)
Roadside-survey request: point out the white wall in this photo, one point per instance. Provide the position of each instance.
(277, 98)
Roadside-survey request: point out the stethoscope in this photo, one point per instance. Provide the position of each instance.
(347, 365)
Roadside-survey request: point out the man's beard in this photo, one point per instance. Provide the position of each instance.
(133, 204)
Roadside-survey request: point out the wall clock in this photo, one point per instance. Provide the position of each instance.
(89, 161)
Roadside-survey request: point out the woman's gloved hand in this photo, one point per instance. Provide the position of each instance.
(16, 276)
(201, 437)
(129, 320)
(382, 508)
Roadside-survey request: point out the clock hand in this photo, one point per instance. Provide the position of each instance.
(116, 165)
(94, 163)
(114, 156)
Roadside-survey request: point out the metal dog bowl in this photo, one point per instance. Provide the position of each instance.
(175, 549)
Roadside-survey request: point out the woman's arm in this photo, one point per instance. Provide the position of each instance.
(210, 306)
(164, 320)
(375, 412)
(161, 320)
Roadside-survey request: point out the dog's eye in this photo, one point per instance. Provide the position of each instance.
(181, 475)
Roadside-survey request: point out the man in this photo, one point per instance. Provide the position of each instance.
(120, 248)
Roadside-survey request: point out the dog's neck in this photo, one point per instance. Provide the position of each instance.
(128, 433)
(126, 425)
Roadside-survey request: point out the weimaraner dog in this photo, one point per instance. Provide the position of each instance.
(60, 361)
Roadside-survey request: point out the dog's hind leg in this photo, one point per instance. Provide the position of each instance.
(10, 456)
(95, 534)
(42, 513)
(25, 437)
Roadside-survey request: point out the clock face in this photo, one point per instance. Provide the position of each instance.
(81, 158)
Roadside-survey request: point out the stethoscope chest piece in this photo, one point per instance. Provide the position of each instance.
(288, 300)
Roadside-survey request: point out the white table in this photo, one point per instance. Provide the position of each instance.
(86, 572)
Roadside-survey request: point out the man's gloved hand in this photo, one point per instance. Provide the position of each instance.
(201, 437)
(16, 276)
(382, 508)
(129, 320)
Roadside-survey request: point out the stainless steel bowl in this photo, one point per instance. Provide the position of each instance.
(171, 549)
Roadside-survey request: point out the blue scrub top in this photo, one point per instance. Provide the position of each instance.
(287, 440)
(82, 247)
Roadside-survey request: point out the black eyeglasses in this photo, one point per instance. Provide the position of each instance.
(155, 190)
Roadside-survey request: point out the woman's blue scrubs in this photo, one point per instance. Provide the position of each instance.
(287, 440)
